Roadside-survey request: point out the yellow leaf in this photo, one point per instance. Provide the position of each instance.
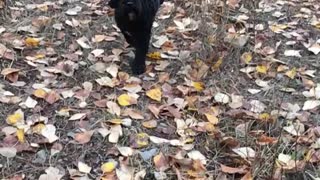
(115, 121)
(43, 7)
(40, 93)
(278, 27)
(246, 57)
(264, 116)
(282, 68)
(20, 135)
(15, 118)
(40, 56)
(154, 94)
(150, 124)
(199, 86)
(125, 100)
(217, 64)
(211, 118)
(142, 140)
(262, 69)
(154, 55)
(210, 127)
(32, 42)
(108, 167)
(292, 73)
(38, 128)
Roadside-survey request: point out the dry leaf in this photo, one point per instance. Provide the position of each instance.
(245, 152)
(246, 57)
(50, 133)
(221, 98)
(150, 124)
(108, 167)
(32, 42)
(155, 94)
(310, 104)
(292, 73)
(126, 100)
(84, 167)
(84, 137)
(77, 116)
(8, 152)
(161, 163)
(20, 135)
(199, 86)
(154, 55)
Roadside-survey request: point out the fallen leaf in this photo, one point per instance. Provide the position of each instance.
(77, 116)
(292, 73)
(315, 48)
(84, 137)
(16, 118)
(113, 108)
(150, 124)
(211, 118)
(32, 42)
(20, 135)
(233, 170)
(126, 100)
(262, 69)
(221, 98)
(8, 152)
(296, 129)
(310, 104)
(245, 152)
(51, 173)
(84, 42)
(199, 86)
(161, 163)
(125, 151)
(115, 133)
(154, 55)
(196, 155)
(292, 53)
(40, 93)
(139, 140)
(108, 167)
(84, 167)
(155, 94)
(50, 133)
(246, 57)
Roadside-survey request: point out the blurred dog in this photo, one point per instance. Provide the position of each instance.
(135, 18)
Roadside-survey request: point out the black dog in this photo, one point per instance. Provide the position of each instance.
(135, 18)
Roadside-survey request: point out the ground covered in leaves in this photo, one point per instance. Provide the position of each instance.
(232, 91)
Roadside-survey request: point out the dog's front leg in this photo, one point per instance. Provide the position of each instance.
(142, 39)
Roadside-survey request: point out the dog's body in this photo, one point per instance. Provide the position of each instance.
(135, 18)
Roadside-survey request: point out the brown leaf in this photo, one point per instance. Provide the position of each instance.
(101, 103)
(134, 114)
(52, 97)
(232, 170)
(11, 73)
(154, 109)
(84, 137)
(161, 163)
(265, 140)
(247, 176)
(150, 124)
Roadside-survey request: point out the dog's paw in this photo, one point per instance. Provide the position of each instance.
(137, 69)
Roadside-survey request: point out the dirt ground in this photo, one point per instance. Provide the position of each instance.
(232, 91)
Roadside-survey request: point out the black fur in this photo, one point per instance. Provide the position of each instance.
(135, 18)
